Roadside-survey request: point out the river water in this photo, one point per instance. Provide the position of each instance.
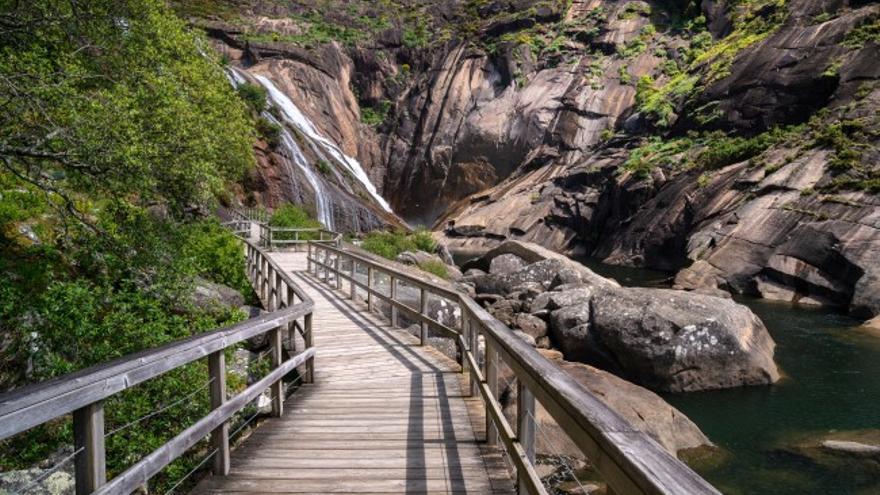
(832, 384)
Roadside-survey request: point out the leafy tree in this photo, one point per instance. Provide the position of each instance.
(116, 98)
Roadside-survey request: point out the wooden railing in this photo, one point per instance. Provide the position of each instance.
(629, 460)
(256, 215)
(240, 228)
(272, 237)
(83, 393)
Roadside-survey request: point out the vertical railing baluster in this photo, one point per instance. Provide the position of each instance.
(525, 429)
(220, 435)
(423, 308)
(463, 343)
(393, 294)
(370, 289)
(474, 335)
(336, 273)
(88, 435)
(307, 337)
(492, 383)
(351, 272)
(291, 326)
(309, 258)
(277, 387)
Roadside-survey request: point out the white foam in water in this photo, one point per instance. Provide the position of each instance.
(296, 118)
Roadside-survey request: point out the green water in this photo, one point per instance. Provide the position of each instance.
(832, 384)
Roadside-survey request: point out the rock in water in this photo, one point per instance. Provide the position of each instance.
(676, 341)
(664, 339)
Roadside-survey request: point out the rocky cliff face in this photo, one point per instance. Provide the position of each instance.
(732, 142)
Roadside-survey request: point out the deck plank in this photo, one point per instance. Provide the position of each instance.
(383, 416)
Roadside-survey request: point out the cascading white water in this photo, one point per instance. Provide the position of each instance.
(292, 152)
(293, 116)
(323, 205)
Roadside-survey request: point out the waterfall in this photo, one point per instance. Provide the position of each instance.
(294, 117)
(323, 205)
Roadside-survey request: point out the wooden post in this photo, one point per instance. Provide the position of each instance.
(296, 239)
(264, 283)
(277, 387)
(271, 238)
(423, 303)
(351, 279)
(370, 289)
(464, 337)
(309, 258)
(393, 293)
(307, 337)
(291, 326)
(88, 435)
(271, 293)
(475, 351)
(336, 273)
(525, 428)
(492, 382)
(220, 436)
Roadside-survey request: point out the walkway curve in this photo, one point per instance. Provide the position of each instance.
(383, 416)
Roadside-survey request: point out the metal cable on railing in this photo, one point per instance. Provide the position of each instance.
(190, 473)
(557, 454)
(161, 409)
(42, 477)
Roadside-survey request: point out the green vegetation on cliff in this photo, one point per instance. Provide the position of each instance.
(117, 132)
(391, 244)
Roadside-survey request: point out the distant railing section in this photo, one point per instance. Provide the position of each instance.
(240, 228)
(629, 460)
(272, 237)
(83, 393)
(256, 215)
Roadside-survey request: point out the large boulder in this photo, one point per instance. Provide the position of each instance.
(664, 339)
(211, 296)
(533, 253)
(506, 264)
(677, 341)
(642, 408)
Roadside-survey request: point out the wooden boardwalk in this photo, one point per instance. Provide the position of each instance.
(383, 416)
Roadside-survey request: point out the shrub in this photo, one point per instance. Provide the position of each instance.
(390, 244)
(293, 216)
(435, 267)
(254, 96)
(270, 131)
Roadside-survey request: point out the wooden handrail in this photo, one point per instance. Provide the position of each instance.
(629, 460)
(83, 393)
(269, 238)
